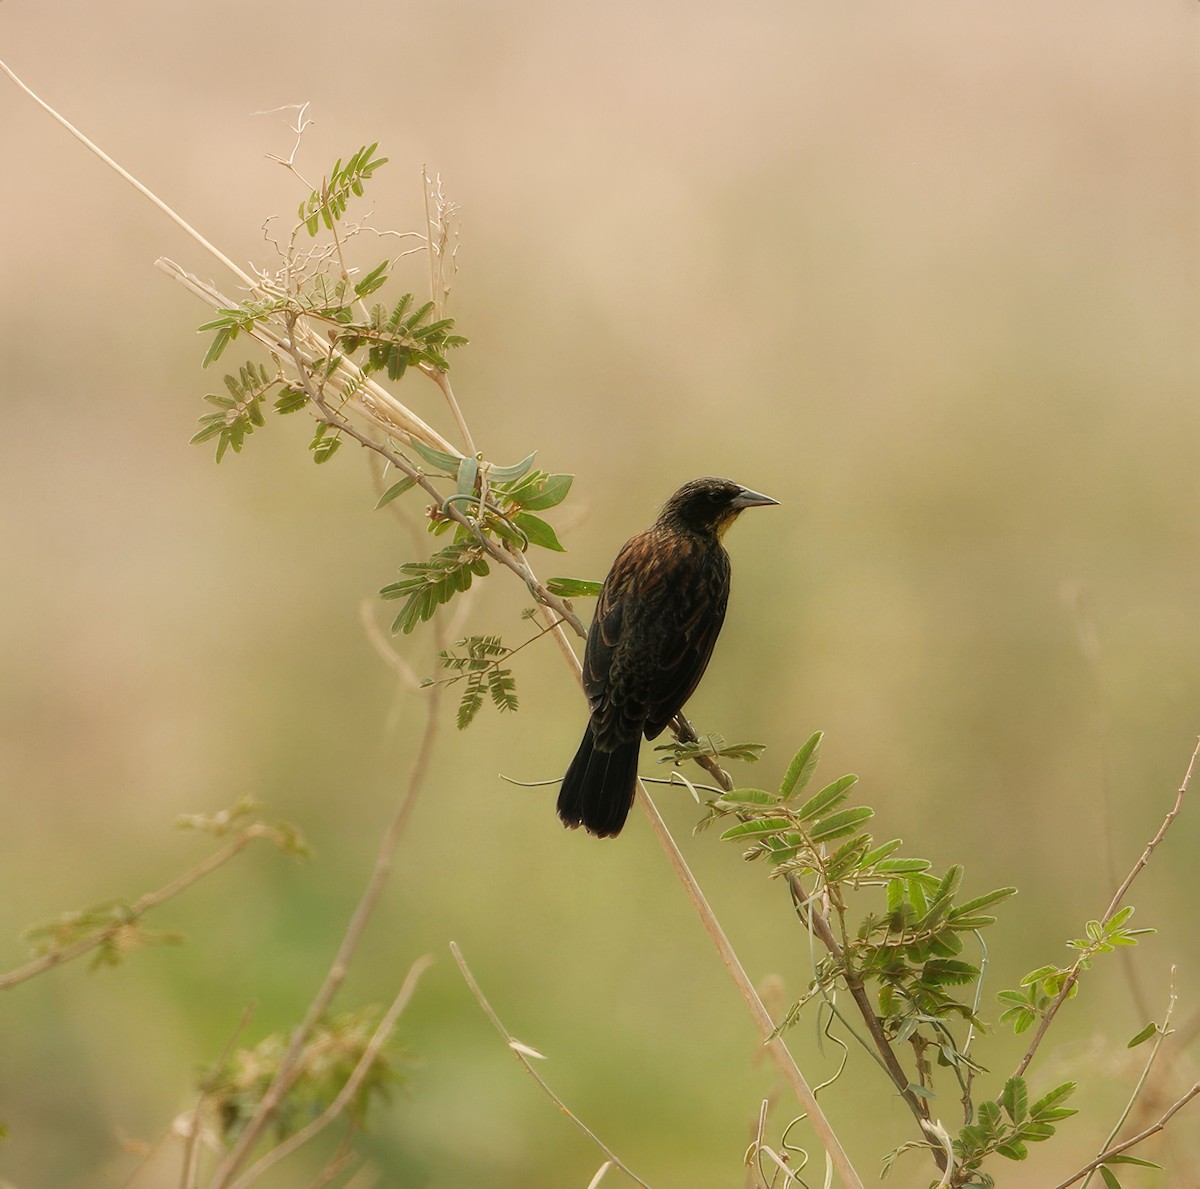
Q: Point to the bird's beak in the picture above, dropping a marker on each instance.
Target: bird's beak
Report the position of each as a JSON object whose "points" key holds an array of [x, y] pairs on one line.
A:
{"points": [[750, 499]]}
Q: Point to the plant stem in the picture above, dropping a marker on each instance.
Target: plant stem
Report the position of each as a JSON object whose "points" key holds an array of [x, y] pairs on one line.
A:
{"points": [[1114, 905], [522, 1054], [137, 909], [288, 1066], [1134, 1140]]}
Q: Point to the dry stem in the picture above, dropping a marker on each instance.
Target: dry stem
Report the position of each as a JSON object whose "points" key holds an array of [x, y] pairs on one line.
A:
{"points": [[522, 1053], [288, 1067], [1115, 904], [1133, 1140], [137, 909]]}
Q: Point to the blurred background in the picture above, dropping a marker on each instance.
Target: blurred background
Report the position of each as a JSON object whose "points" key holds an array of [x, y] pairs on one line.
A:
{"points": [[926, 273]]}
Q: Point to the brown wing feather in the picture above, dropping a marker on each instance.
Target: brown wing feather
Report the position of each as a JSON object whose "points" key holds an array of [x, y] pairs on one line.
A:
{"points": [[656, 622]]}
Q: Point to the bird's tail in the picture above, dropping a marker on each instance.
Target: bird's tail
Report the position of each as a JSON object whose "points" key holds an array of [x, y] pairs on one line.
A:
{"points": [[598, 788]]}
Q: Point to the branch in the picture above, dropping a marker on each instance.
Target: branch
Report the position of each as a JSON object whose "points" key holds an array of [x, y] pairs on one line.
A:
{"points": [[815, 920], [189, 1174], [522, 1053], [1133, 1141], [378, 1039], [147, 193], [1073, 977], [288, 1067], [137, 909], [775, 1045]]}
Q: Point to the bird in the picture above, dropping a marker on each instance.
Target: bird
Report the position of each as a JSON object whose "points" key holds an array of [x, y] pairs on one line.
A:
{"points": [[657, 618]]}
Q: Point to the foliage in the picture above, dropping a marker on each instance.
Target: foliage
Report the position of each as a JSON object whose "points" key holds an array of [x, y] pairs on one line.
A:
{"points": [[573, 588], [234, 1090], [240, 412], [114, 925], [712, 746], [907, 944], [112, 929], [480, 668], [1041, 987], [327, 205], [432, 583]]}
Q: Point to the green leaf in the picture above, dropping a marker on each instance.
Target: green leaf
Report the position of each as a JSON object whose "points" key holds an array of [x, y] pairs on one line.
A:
{"points": [[969, 923], [972, 906], [413, 319], [323, 448], [873, 857], [1109, 1178], [839, 824], [903, 866], [1123, 1158], [1143, 1036], [574, 588], [395, 490], [766, 825], [950, 884], [847, 857], [538, 531], [803, 765], [946, 971], [1015, 1100], [290, 400], [1013, 1149], [748, 797], [512, 473], [469, 704], [431, 583], [547, 493], [375, 279], [468, 473], [1116, 921], [831, 795], [437, 458], [224, 336], [502, 688]]}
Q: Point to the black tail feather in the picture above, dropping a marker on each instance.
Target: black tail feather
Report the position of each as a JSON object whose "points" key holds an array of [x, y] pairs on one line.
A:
{"points": [[599, 786]]}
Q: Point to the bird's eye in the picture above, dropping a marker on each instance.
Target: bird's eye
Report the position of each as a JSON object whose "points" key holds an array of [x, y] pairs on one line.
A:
{"points": [[716, 497]]}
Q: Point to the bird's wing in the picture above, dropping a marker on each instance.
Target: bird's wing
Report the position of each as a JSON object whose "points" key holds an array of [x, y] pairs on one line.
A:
{"points": [[605, 632], [657, 619], [692, 623]]}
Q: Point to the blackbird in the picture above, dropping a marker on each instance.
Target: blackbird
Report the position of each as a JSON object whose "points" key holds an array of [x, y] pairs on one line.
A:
{"points": [[658, 616]]}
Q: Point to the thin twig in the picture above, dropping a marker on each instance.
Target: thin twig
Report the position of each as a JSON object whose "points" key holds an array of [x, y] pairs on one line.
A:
{"points": [[521, 1051], [1134, 1140], [442, 379], [137, 909], [1088, 638], [815, 920], [286, 1073], [762, 1018], [1162, 1032], [370, 399], [147, 193], [1119, 896], [190, 1174], [378, 1039]]}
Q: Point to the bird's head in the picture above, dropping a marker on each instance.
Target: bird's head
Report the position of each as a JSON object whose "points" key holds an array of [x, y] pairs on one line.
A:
{"points": [[709, 505]]}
